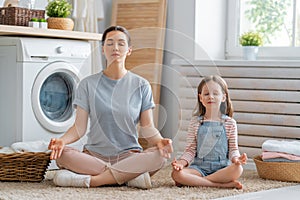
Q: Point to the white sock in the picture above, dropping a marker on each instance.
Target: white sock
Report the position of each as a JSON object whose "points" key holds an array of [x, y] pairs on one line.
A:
{"points": [[142, 181], [67, 178]]}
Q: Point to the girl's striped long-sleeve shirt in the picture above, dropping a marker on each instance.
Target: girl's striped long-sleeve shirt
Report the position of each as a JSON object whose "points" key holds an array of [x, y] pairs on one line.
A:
{"points": [[191, 145]]}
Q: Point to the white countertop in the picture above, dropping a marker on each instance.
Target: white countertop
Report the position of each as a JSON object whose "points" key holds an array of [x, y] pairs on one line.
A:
{"points": [[6, 30]]}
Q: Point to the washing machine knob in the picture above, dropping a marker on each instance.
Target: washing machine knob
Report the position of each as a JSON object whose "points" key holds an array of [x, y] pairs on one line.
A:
{"points": [[60, 49]]}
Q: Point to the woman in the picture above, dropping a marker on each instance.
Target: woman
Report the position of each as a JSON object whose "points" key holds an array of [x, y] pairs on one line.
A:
{"points": [[115, 100]]}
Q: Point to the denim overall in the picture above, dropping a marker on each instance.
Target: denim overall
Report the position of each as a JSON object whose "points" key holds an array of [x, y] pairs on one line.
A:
{"points": [[212, 147]]}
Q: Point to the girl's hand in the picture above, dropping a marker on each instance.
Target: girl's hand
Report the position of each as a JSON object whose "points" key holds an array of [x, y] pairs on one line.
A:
{"points": [[240, 160], [165, 147], [56, 145], [177, 165]]}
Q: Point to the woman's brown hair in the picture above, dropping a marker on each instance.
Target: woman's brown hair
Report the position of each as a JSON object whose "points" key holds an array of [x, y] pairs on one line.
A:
{"points": [[116, 28]]}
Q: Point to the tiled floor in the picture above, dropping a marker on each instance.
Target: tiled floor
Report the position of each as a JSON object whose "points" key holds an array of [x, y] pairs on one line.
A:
{"points": [[289, 193]]}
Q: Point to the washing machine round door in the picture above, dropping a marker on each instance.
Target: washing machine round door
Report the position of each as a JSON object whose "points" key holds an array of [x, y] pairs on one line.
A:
{"points": [[53, 94]]}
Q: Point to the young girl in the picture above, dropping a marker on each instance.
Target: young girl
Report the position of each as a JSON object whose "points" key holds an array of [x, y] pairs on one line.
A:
{"points": [[211, 141], [112, 154]]}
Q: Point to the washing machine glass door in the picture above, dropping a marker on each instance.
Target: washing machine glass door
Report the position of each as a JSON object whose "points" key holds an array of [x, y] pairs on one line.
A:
{"points": [[53, 94]]}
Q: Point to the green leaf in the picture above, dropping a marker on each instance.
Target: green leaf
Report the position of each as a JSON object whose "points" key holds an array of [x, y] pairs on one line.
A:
{"points": [[34, 20], [58, 8], [251, 39]]}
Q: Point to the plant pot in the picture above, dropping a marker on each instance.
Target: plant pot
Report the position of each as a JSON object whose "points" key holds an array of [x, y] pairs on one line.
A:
{"points": [[43, 25], [250, 52], [60, 23], [33, 24]]}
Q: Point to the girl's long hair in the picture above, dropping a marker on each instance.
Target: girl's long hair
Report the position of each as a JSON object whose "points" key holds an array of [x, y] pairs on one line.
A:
{"points": [[226, 107]]}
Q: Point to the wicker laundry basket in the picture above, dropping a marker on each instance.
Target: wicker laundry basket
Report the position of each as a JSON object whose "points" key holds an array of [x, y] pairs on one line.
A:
{"points": [[27, 166], [19, 16], [280, 171]]}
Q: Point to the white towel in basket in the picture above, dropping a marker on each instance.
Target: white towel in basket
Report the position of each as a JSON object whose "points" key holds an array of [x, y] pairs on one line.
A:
{"points": [[6, 150], [32, 146], [284, 146]]}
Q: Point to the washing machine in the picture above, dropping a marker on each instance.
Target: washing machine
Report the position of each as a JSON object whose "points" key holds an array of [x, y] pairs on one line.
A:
{"points": [[38, 77]]}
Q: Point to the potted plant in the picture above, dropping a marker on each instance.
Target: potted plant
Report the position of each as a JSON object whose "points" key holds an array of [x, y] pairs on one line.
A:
{"points": [[43, 23], [250, 42], [58, 12], [34, 22]]}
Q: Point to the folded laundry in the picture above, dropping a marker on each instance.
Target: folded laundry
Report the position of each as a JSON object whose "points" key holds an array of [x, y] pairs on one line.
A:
{"points": [[271, 154], [281, 160], [284, 146], [32, 146]]}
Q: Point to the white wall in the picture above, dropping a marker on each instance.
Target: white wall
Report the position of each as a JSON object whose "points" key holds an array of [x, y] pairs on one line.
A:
{"points": [[40, 4], [179, 44], [190, 36], [210, 29]]}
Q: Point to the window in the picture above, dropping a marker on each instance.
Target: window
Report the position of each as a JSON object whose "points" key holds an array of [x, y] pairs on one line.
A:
{"points": [[277, 20]]}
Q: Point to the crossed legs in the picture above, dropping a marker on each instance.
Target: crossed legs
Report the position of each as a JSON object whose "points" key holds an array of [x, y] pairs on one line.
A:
{"points": [[225, 178], [104, 173]]}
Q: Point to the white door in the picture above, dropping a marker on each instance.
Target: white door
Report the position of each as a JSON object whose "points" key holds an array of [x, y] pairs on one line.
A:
{"points": [[52, 96]]}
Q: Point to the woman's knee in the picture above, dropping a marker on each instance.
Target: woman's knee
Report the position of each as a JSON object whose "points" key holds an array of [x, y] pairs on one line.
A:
{"points": [[155, 158], [162, 160], [66, 155]]}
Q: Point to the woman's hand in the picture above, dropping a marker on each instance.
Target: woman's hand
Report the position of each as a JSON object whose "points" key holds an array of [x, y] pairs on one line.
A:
{"points": [[240, 160], [56, 145], [178, 164], [165, 147]]}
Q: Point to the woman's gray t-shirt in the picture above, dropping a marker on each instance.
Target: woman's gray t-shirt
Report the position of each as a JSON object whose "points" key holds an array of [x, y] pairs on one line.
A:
{"points": [[114, 108]]}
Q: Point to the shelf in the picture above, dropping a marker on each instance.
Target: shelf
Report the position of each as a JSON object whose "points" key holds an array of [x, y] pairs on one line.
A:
{"points": [[6, 30]]}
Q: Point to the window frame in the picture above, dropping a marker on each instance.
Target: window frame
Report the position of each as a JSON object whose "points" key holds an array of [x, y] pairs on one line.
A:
{"points": [[234, 51]]}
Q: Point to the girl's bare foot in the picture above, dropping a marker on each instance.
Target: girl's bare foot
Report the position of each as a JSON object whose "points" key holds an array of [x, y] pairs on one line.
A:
{"points": [[178, 184], [232, 184]]}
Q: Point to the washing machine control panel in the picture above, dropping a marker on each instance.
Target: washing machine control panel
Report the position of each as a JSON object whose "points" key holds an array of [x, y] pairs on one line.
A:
{"points": [[60, 49], [79, 51], [55, 48]]}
